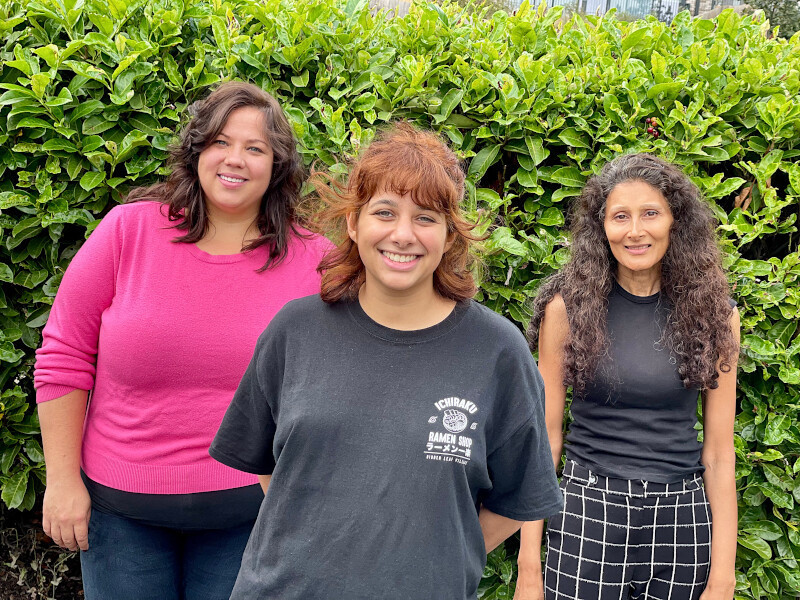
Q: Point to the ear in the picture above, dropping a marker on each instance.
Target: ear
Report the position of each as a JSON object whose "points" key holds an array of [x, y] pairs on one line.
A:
{"points": [[352, 226], [451, 239]]}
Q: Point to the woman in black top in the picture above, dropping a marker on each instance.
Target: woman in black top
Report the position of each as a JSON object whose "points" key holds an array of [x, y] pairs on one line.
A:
{"points": [[637, 323]]}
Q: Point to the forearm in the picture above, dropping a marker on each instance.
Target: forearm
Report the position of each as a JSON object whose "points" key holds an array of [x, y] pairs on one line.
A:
{"points": [[496, 528], [66, 507], [720, 485], [62, 432], [530, 547]]}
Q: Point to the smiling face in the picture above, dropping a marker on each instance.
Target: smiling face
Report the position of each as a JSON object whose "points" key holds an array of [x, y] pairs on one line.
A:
{"points": [[400, 244], [637, 225], [236, 167]]}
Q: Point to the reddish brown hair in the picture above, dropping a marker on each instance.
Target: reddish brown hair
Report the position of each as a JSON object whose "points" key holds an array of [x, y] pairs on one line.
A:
{"points": [[403, 160]]}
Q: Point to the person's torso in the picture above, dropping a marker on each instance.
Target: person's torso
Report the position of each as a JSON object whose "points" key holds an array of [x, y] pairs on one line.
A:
{"points": [[636, 420], [172, 348], [381, 455]]}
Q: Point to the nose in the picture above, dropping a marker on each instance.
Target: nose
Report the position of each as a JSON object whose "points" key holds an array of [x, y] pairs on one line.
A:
{"points": [[403, 232], [234, 156], [635, 228]]}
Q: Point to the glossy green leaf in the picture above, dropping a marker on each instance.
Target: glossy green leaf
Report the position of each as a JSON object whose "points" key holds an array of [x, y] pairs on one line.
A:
{"points": [[14, 489], [92, 179], [569, 176], [483, 160]]}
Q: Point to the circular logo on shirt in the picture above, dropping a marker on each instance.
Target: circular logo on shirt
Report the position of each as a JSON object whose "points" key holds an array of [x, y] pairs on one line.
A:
{"points": [[454, 420]]}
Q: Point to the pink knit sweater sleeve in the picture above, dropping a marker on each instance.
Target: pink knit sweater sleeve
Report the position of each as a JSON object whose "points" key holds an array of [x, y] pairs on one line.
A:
{"points": [[66, 359]]}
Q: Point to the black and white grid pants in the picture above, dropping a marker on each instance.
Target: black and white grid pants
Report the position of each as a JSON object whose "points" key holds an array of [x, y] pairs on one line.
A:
{"points": [[619, 539]]}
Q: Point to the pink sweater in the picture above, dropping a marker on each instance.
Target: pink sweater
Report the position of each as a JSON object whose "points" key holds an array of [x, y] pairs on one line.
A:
{"points": [[162, 333]]}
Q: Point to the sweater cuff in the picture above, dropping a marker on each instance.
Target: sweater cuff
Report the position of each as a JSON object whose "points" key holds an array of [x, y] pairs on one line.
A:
{"points": [[51, 391]]}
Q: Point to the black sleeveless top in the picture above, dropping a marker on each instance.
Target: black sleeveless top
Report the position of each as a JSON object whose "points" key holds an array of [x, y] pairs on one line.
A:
{"points": [[636, 420]]}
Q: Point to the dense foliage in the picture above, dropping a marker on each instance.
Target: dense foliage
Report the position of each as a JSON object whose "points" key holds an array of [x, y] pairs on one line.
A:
{"points": [[785, 14], [92, 91]]}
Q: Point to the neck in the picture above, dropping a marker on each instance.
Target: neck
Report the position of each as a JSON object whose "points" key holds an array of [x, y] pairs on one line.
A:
{"points": [[404, 312], [640, 283], [228, 234]]}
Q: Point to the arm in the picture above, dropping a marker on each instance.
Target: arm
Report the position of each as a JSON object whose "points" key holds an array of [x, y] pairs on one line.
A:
{"points": [[553, 336], [65, 369], [66, 508], [719, 460], [264, 481], [495, 528]]}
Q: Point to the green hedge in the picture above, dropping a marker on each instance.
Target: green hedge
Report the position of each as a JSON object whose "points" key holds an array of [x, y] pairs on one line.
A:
{"points": [[92, 91]]}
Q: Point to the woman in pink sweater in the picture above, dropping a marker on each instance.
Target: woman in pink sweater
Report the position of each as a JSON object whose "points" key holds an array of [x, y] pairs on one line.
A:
{"points": [[157, 316]]}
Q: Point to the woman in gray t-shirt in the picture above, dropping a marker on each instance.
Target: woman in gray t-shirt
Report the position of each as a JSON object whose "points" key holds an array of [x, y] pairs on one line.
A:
{"points": [[638, 323], [398, 425]]}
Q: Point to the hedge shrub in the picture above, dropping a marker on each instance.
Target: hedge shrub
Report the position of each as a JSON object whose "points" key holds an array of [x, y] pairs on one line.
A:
{"points": [[92, 91]]}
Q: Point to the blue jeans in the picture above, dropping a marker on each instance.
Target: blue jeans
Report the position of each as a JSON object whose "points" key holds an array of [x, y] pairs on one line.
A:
{"points": [[128, 560]]}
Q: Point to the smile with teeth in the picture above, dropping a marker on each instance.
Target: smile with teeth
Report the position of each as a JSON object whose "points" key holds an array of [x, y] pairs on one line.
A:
{"points": [[400, 258], [231, 179]]}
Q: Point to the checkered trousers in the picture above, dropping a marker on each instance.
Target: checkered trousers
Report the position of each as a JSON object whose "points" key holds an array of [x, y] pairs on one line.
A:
{"points": [[619, 539]]}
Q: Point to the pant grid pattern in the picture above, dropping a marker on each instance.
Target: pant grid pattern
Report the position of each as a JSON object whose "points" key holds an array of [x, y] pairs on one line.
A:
{"points": [[620, 539]]}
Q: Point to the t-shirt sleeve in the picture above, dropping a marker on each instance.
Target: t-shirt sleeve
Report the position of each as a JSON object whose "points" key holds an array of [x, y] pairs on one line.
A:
{"points": [[66, 359], [524, 484], [244, 439]]}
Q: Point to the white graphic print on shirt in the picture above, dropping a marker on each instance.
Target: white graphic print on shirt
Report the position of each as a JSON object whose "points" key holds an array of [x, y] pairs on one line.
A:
{"points": [[448, 445]]}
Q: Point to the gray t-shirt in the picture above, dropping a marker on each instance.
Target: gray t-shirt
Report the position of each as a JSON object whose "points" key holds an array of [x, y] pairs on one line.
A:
{"points": [[382, 445]]}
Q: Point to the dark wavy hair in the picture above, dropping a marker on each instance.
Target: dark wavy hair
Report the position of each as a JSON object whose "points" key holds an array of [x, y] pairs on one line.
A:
{"points": [[697, 332], [182, 192], [403, 160]]}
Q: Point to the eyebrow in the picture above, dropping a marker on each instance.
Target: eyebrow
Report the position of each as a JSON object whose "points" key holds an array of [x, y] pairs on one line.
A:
{"points": [[385, 201], [250, 141], [626, 207]]}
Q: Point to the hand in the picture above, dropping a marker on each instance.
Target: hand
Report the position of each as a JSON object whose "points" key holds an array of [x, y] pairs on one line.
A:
{"points": [[65, 514], [530, 585], [719, 590]]}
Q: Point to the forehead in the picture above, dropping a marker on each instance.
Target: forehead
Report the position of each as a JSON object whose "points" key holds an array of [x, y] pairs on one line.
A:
{"points": [[635, 194], [247, 120]]}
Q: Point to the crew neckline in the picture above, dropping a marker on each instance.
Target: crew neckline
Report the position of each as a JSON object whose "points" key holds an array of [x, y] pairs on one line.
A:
{"points": [[220, 258], [416, 336], [633, 297]]}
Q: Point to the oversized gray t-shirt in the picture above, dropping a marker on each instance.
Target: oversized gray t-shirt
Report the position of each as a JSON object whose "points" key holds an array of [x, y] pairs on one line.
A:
{"points": [[382, 445]]}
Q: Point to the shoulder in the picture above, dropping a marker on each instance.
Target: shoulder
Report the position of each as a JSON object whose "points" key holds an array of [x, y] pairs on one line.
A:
{"points": [[305, 244], [556, 309], [735, 320], [138, 213], [491, 329], [304, 306], [298, 320], [310, 240], [129, 220], [556, 318], [298, 312]]}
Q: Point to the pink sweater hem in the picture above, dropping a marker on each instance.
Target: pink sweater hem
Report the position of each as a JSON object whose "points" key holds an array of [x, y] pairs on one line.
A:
{"points": [[208, 476]]}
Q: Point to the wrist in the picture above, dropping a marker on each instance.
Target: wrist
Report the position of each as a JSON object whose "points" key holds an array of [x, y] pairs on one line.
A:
{"points": [[717, 581], [529, 566], [64, 477]]}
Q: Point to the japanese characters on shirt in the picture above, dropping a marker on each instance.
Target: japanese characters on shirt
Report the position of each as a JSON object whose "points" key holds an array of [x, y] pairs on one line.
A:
{"points": [[449, 439]]}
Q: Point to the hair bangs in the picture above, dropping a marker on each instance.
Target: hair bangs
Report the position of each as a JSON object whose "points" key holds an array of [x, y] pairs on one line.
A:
{"points": [[407, 169]]}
